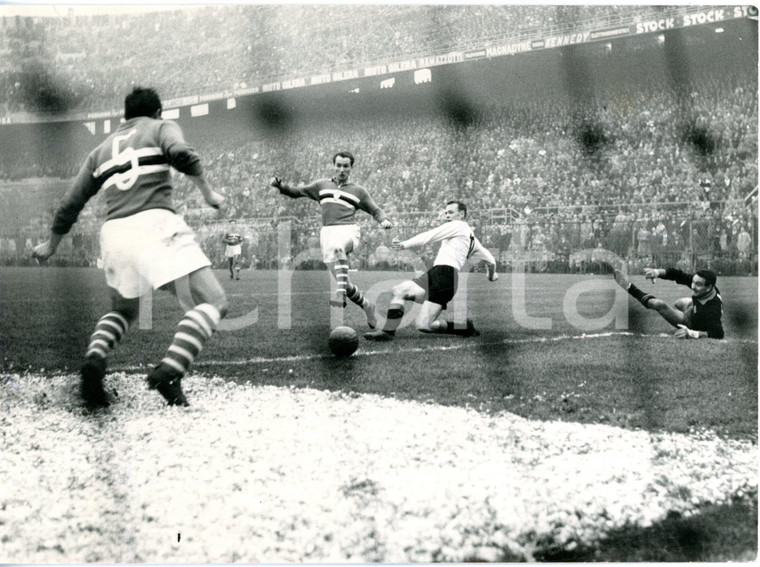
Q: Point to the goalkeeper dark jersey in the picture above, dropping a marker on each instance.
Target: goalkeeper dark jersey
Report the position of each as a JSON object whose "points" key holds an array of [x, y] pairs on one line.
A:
{"points": [[704, 316]]}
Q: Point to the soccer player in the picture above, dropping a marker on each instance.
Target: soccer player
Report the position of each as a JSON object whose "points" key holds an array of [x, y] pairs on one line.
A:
{"points": [[695, 317], [232, 251], [143, 242], [435, 288], [339, 199]]}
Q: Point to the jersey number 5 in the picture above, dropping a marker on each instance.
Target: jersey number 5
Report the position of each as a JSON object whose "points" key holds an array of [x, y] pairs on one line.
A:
{"points": [[125, 181]]}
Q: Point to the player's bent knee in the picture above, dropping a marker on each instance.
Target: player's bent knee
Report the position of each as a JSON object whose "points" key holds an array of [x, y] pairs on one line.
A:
{"points": [[656, 304]]}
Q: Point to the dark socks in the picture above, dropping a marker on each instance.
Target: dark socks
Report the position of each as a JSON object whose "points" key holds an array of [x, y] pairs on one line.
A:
{"points": [[393, 319], [639, 295]]}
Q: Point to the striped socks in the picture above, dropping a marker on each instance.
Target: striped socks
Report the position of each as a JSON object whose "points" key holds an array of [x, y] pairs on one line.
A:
{"points": [[192, 332], [341, 277], [108, 333], [355, 295]]}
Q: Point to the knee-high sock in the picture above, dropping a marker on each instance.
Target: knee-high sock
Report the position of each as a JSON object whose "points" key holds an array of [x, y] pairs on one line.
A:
{"points": [[193, 331], [355, 295], [639, 295], [393, 317], [108, 333], [341, 276]]}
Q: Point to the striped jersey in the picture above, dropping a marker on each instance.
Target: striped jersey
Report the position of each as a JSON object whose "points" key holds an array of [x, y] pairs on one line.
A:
{"points": [[233, 239], [338, 202], [458, 244], [132, 167]]}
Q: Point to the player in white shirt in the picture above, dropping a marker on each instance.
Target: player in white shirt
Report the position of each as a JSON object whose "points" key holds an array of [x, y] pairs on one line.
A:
{"points": [[435, 288]]}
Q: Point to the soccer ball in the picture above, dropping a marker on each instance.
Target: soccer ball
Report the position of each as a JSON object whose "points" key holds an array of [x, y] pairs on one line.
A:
{"points": [[343, 341]]}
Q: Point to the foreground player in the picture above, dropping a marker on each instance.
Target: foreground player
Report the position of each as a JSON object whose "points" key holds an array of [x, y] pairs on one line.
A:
{"points": [[695, 317], [339, 238], [437, 286], [143, 242], [233, 249]]}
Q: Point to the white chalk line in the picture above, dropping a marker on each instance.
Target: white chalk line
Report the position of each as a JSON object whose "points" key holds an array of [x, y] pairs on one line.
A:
{"points": [[439, 348]]}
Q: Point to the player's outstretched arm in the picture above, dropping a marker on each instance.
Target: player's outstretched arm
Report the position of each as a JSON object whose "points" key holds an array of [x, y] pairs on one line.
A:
{"points": [[653, 273], [480, 252], [212, 198], [293, 192], [446, 230], [386, 224], [46, 249]]}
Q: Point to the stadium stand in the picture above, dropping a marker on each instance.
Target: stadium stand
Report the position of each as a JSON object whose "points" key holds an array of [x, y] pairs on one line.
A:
{"points": [[67, 63], [652, 169]]}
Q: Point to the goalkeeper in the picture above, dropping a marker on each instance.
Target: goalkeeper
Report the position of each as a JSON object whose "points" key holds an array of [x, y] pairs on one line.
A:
{"points": [[695, 317]]}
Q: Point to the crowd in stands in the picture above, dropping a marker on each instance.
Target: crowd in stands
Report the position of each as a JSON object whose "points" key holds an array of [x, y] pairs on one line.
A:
{"points": [[525, 153], [71, 63], [533, 189], [636, 164]]}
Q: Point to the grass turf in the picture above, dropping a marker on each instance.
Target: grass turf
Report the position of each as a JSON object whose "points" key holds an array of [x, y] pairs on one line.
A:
{"points": [[633, 378]]}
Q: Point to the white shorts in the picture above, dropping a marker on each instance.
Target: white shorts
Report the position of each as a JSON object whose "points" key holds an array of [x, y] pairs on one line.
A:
{"points": [[147, 250], [338, 241], [233, 250]]}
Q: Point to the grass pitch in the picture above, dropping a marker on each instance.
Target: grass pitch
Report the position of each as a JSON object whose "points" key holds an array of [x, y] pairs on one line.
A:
{"points": [[636, 378]]}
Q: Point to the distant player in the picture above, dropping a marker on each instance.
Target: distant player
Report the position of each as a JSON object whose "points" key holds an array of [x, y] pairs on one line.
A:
{"points": [[695, 317], [339, 199], [233, 249], [435, 288], [143, 242]]}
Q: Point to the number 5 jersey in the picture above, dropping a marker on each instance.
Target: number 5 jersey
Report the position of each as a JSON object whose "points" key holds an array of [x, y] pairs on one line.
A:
{"points": [[132, 166]]}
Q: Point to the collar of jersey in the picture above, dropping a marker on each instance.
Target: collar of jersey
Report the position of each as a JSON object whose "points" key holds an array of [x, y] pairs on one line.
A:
{"points": [[337, 184]]}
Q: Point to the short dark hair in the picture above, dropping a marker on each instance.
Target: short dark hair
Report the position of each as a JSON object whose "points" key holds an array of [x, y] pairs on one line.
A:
{"points": [[708, 275], [141, 102], [348, 155], [460, 206]]}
